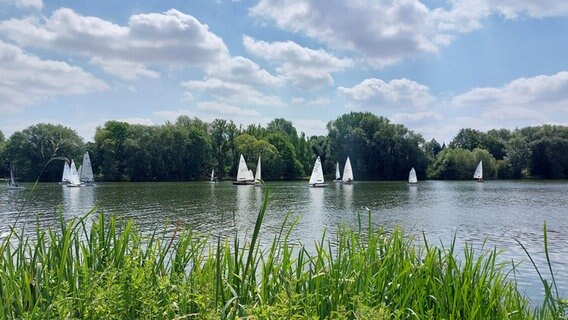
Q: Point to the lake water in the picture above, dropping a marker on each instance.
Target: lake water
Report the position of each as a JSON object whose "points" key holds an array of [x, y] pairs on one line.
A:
{"points": [[497, 212]]}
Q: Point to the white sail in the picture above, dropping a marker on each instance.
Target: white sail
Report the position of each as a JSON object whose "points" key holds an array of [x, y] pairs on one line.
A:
{"points": [[337, 173], [86, 172], [317, 173], [412, 176], [12, 180], [79, 171], [243, 172], [12, 185], [257, 174], [65, 176], [74, 179], [347, 172], [478, 174], [212, 174]]}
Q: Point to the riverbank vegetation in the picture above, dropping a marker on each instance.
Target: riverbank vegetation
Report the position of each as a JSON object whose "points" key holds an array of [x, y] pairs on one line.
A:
{"points": [[379, 150], [101, 267]]}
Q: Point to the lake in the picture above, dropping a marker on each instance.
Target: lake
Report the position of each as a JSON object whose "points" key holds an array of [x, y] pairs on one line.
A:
{"points": [[497, 212]]}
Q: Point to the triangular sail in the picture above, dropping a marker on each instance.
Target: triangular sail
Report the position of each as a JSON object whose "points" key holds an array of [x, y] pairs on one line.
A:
{"points": [[212, 174], [65, 176], [412, 176], [243, 172], [478, 174], [250, 176], [12, 181], [317, 173], [337, 173], [347, 171], [80, 171], [86, 172], [257, 175], [73, 174]]}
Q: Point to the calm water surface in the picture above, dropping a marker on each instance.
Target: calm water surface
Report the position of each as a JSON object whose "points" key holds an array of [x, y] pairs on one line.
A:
{"points": [[497, 212]]}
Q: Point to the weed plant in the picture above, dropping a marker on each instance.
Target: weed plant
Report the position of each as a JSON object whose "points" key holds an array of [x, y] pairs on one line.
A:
{"points": [[101, 267]]}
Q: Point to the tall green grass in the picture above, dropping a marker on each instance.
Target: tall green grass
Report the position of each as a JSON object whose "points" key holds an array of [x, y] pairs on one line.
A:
{"points": [[99, 267]]}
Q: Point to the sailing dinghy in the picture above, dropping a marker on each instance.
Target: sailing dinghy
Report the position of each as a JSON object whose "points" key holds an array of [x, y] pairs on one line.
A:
{"points": [[478, 174], [316, 179], [347, 172], [412, 177], [244, 175]]}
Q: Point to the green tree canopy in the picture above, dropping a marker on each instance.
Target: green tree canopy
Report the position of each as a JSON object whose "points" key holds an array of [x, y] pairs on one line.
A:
{"points": [[34, 148]]}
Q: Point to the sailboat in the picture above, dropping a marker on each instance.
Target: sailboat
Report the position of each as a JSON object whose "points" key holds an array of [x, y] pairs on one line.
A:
{"points": [[347, 172], [412, 176], [65, 175], [337, 174], [316, 179], [244, 175], [12, 184], [257, 179], [478, 174], [213, 177], [86, 171], [74, 179]]}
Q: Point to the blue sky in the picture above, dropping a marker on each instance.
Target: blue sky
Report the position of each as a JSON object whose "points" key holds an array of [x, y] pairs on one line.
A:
{"points": [[435, 66]]}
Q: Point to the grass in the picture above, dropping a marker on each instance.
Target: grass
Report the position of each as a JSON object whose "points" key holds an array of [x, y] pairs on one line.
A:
{"points": [[99, 267]]}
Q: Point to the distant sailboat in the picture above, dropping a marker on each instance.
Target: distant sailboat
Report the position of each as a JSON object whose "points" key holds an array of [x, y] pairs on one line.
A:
{"points": [[347, 172], [478, 174], [244, 175], [74, 179], [316, 179], [412, 177], [213, 177], [337, 173], [65, 175], [12, 184], [86, 171], [257, 179]]}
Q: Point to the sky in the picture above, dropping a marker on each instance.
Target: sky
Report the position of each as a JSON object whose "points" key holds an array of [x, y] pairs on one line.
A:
{"points": [[435, 66]]}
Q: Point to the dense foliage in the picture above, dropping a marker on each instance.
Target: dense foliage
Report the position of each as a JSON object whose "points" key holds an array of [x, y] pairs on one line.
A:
{"points": [[379, 150]]}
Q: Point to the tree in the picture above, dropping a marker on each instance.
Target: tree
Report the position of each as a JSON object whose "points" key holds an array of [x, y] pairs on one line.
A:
{"points": [[377, 148], [33, 149], [459, 164]]}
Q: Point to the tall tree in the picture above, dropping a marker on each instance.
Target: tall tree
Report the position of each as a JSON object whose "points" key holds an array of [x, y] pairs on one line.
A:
{"points": [[34, 148]]}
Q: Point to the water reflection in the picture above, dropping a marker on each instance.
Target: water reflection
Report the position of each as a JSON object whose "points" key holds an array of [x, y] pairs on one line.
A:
{"points": [[497, 212], [77, 201]]}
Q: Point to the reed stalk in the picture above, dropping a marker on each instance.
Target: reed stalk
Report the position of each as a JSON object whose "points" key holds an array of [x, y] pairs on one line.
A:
{"points": [[101, 267]]}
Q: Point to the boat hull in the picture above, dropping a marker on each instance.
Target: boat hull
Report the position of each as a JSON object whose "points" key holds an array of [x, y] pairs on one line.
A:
{"points": [[317, 185], [243, 183]]}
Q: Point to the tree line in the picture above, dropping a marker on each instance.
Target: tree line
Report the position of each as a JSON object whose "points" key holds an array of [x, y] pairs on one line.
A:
{"points": [[189, 148]]}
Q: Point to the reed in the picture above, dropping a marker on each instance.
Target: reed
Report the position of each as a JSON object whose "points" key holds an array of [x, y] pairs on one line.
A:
{"points": [[102, 267]]}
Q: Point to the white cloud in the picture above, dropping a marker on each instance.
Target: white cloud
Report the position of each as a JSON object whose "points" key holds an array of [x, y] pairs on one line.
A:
{"points": [[233, 92], [311, 127], [25, 4], [171, 37], [126, 70], [381, 31], [538, 92], [226, 109], [172, 116], [512, 9], [243, 70], [26, 79], [396, 94], [424, 116], [303, 67], [384, 31], [320, 101]]}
